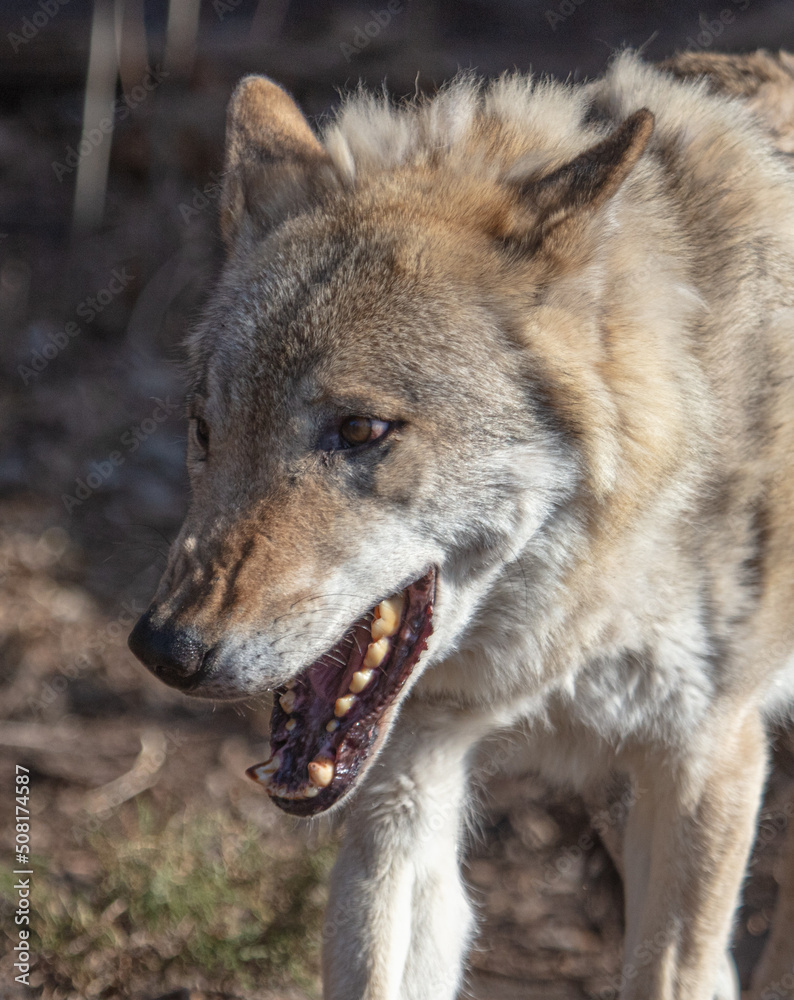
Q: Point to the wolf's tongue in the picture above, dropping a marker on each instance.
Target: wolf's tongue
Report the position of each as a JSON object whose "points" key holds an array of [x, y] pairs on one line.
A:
{"points": [[326, 719], [327, 674]]}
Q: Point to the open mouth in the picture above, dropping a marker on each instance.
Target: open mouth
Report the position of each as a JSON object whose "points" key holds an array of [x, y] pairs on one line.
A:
{"points": [[327, 719]]}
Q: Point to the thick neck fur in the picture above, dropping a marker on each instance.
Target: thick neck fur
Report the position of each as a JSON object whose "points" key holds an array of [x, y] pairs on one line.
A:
{"points": [[673, 462]]}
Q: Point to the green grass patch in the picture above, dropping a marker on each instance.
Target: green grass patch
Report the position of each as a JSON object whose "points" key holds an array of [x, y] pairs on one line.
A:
{"points": [[196, 895]]}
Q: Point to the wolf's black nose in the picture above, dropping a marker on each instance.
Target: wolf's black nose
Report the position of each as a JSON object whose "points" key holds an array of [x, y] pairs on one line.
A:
{"points": [[176, 655]]}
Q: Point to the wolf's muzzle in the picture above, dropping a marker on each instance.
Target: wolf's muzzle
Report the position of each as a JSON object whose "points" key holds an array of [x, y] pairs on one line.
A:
{"points": [[176, 655]]}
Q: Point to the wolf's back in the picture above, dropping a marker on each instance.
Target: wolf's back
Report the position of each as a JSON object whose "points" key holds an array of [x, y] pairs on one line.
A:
{"points": [[764, 79]]}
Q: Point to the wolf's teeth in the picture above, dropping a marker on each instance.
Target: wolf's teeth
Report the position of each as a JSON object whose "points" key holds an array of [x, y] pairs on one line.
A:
{"points": [[287, 701], [321, 773], [290, 685], [387, 617], [376, 652], [291, 723], [359, 680], [343, 705], [332, 726], [379, 629], [305, 791], [263, 773], [294, 794]]}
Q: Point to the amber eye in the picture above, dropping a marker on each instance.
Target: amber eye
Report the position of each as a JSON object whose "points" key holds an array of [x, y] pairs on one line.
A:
{"points": [[361, 430], [202, 432]]}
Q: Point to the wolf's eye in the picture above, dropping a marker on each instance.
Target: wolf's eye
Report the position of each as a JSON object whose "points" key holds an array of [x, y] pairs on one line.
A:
{"points": [[361, 430], [202, 433]]}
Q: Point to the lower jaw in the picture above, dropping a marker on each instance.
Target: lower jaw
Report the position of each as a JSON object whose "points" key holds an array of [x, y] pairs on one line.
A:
{"points": [[321, 800], [309, 774]]}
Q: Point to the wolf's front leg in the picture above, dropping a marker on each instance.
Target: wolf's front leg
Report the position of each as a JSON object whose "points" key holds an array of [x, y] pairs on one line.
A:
{"points": [[687, 843], [398, 921]]}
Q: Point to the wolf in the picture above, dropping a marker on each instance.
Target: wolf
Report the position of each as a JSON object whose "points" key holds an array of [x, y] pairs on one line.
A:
{"points": [[492, 437]]}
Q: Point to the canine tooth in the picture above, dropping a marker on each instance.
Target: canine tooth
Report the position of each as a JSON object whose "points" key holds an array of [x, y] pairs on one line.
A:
{"points": [[291, 723], [387, 619], [290, 684], [310, 792], [263, 773], [332, 726], [376, 652], [359, 680], [321, 773], [343, 705], [287, 701], [271, 765]]}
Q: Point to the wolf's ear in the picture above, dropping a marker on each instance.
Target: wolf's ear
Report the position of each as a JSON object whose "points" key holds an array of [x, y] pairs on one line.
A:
{"points": [[273, 159], [543, 205]]}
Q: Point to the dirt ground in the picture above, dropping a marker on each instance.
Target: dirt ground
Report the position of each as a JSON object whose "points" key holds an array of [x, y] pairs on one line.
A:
{"points": [[159, 870]]}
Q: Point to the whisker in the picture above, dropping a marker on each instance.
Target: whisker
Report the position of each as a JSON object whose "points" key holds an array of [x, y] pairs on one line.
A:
{"points": [[330, 607]]}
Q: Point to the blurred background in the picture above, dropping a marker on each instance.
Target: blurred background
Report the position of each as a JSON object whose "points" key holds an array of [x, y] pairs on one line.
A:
{"points": [[159, 870]]}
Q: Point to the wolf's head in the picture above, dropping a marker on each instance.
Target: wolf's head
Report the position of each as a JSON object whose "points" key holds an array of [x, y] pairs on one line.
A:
{"points": [[373, 438]]}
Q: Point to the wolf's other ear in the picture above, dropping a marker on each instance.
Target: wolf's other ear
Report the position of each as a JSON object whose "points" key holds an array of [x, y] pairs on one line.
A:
{"points": [[273, 159], [543, 204]]}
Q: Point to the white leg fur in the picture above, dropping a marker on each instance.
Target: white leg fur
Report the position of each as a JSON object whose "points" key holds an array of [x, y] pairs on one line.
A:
{"points": [[398, 921]]}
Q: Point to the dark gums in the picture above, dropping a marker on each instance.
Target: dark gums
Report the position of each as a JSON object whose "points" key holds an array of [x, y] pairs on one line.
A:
{"points": [[317, 688]]}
